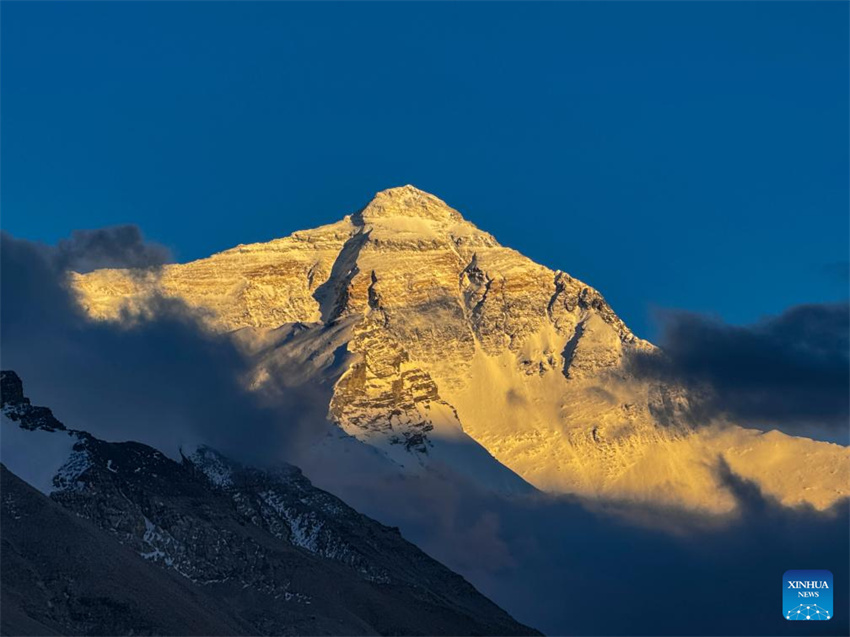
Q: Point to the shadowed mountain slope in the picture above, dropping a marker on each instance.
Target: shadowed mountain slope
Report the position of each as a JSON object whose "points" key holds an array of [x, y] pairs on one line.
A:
{"points": [[123, 539]]}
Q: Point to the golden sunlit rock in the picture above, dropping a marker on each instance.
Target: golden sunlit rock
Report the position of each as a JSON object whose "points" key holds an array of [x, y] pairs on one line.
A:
{"points": [[452, 335]]}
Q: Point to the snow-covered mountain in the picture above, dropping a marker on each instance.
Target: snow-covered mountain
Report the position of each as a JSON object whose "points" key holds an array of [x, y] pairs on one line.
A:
{"points": [[122, 539], [448, 351]]}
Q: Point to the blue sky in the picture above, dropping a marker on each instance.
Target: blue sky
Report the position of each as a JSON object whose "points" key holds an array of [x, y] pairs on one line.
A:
{"points": [[689, 155]]}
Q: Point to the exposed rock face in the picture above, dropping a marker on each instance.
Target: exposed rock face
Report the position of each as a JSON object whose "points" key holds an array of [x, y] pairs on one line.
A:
{"points": [[62, 575], [17, 406], [452, 336], [246, 551]]}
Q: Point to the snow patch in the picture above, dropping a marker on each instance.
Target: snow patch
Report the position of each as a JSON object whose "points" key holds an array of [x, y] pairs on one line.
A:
{"points": [[68, 476], [35, 456], [214, 467], [154, 538], [305, 529]]}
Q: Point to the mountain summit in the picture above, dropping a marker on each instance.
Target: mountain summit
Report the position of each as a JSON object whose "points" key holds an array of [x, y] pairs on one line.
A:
{"points": [[409, 201], [464, 355]]}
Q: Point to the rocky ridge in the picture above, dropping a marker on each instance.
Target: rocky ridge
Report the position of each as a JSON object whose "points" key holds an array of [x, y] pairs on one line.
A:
{"points": [[269, 551]]}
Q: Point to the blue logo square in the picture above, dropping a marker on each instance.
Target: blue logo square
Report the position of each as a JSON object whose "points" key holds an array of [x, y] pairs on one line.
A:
{"points": [[807, 595]]}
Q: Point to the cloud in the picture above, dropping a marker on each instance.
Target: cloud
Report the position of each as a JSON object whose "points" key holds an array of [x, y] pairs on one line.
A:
{"points": [[790, 371], [113, 247], [165, 381], [566, 566]]}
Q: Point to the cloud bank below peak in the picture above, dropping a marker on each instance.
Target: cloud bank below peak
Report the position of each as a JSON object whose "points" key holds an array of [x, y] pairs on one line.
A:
{"points": [[790, 371], [165, 381]]}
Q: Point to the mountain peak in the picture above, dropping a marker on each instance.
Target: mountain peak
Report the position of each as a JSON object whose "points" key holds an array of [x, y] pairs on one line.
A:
{"points": [[428, 341], [408, 201]]}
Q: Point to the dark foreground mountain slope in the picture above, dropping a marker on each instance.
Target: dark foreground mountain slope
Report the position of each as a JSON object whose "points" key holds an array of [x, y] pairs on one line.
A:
{"points": [[62, 574], [235, 550]]}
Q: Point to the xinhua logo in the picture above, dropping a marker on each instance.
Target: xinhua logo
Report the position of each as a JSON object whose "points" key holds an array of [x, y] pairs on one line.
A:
{"points": [[807, 595]]}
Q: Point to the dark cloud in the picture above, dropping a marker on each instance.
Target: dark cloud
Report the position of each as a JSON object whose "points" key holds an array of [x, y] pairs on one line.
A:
{"points": [[163, 381], [566, 566], [114, 247], [790, 371]]}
